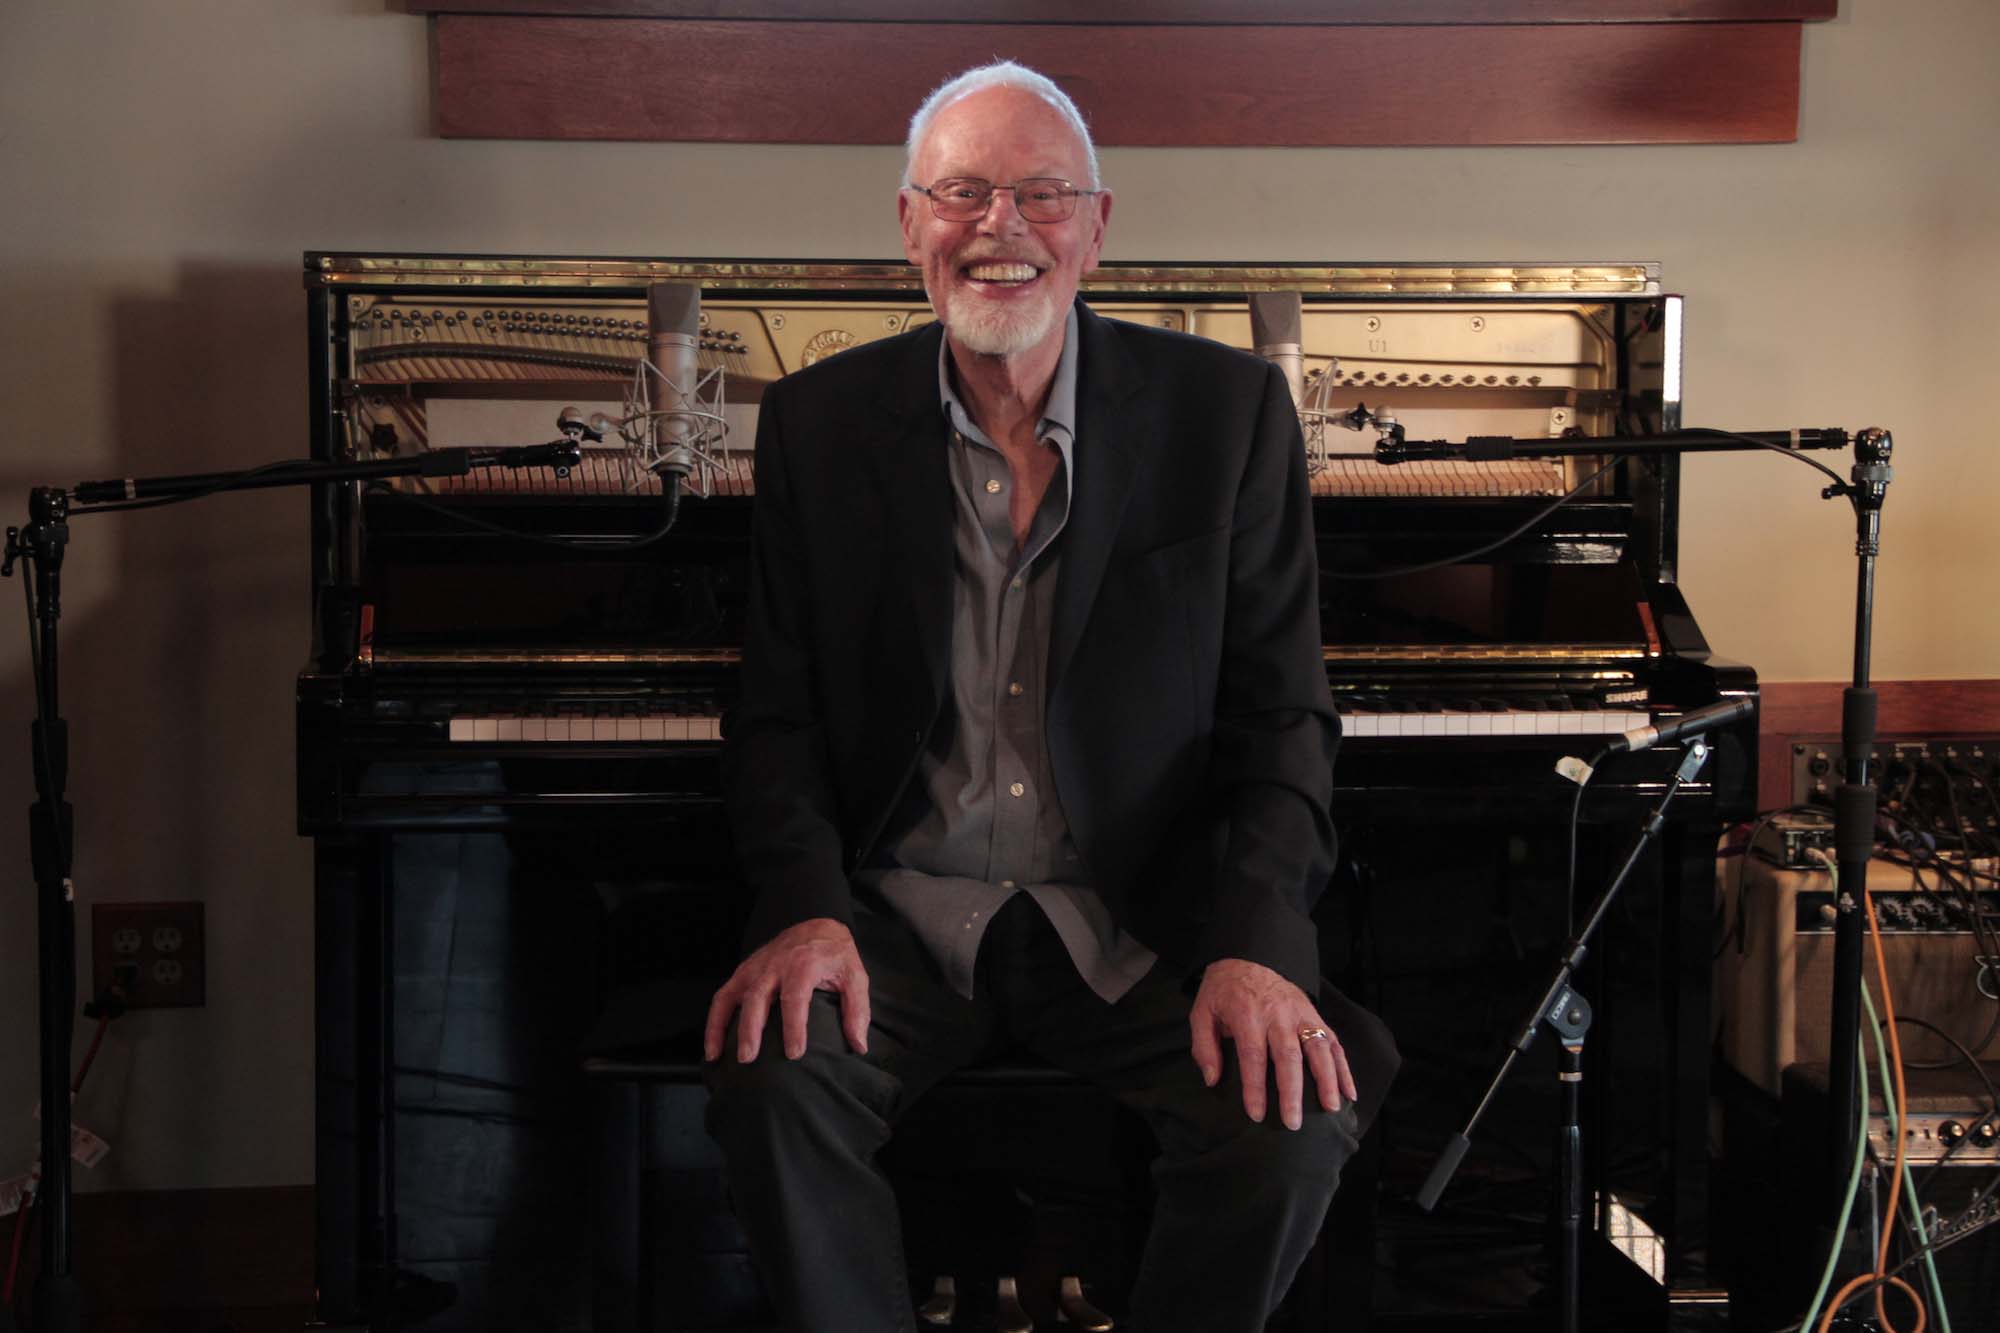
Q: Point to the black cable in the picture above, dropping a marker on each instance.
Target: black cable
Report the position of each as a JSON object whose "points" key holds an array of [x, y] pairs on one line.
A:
{"points": [[1493, 545], [1916, 1256], [1985, 939], [671, 491], [1781, 450], [1576, 818], [1934, 1248], [34, 632], [470, 1081], [1610, 462]]}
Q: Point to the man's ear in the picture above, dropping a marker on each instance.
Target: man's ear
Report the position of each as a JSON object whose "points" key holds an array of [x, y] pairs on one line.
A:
{"points": [[908, 218], [1100, 223]]}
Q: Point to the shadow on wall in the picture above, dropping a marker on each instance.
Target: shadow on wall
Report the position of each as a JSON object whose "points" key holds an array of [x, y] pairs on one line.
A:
{"points": [[182, 629]]}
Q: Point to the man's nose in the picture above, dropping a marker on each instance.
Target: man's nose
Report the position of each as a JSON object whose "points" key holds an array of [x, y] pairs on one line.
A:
{"points": [[1003, 214]]}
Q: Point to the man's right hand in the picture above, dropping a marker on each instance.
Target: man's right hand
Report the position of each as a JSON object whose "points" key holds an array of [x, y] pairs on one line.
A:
{"points": [[813, 955]]}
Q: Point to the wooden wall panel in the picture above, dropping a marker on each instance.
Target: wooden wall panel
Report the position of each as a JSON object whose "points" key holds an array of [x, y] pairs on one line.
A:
{"points": [[1314, 12], [166, 1260], [857, 83], [1907, 710]]}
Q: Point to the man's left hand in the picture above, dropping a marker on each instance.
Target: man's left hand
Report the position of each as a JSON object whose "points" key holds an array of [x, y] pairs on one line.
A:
{"points": [[1264, 1014]]}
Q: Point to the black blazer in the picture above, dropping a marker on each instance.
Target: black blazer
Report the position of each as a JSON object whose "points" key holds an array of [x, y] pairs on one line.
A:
{"points": [[1190, 728], [1189, 721]]}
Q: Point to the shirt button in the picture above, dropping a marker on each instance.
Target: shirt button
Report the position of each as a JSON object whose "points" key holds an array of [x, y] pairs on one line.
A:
{"points": [[1015, 585], [1017, 789], [993, 488], [1005, 884], [1014, 688]]}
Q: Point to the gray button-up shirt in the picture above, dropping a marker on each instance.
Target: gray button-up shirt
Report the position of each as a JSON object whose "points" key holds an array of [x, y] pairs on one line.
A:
{"points": [[992, 825]]}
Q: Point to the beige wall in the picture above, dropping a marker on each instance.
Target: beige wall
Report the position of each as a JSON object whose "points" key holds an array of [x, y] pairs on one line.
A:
{"points": [[163, 166]]}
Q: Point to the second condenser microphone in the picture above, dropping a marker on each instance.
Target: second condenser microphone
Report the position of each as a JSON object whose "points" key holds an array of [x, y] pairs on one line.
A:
{"points": [[1699, 722], [1276, 320], [673, 334]]}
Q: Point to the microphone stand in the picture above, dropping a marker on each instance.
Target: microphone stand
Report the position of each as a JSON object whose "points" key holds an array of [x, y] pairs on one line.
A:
{"points": [[1854, 801], [43, 543], [1567, 1014]]}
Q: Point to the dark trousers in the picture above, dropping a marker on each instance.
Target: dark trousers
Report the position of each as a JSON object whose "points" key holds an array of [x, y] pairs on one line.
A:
{"points": [[1238, 1202]]}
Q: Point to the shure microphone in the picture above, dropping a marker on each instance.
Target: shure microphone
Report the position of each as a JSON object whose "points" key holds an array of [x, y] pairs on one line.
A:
{"points": [[1275, 332], [1699, 722], [673, 330]]}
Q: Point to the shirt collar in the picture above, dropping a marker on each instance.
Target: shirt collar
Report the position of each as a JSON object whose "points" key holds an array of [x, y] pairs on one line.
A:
{"points": [[1058, 421]]}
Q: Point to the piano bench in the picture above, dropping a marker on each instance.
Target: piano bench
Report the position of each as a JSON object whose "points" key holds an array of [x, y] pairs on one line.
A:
{"points": [[1016, 1069], [665, 1238]]}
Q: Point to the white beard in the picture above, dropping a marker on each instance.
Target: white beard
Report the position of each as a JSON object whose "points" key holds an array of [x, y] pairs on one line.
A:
{"points": [[991, 329]]}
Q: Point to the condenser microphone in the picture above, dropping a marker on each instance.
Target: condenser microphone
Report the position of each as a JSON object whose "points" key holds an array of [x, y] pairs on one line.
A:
{"points": [[1275, 320], [1697, 723], [673, 332]]}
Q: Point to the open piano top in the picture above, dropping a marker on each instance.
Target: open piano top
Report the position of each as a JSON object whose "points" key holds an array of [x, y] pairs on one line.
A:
{"points": [[595, 677]]}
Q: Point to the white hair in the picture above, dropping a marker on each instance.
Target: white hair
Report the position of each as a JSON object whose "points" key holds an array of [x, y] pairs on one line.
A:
{"points": [[999, 74]]}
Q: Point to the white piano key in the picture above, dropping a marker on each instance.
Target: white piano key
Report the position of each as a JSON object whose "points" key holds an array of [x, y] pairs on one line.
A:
{"points": [[602, 729], [630, 729], [461, 729], [708, 729], [1457, 724], [1479, 724], [653, 728], [506, 728], [676, 728], [485, 728], [534, 729]]}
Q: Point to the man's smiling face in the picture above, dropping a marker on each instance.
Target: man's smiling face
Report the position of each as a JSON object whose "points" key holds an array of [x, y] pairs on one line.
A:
{"points": [[1001, 285]]}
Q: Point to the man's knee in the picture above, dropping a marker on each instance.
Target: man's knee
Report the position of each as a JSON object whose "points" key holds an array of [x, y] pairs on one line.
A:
{"points": [[775, 1093], [1264, 1156]]}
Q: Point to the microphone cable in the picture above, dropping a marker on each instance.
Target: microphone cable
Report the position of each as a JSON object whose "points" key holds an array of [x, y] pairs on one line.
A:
{"points": [[1565, 498], [670, 491]]}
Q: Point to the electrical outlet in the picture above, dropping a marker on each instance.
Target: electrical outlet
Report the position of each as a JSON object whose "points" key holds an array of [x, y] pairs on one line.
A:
{"points": [[153, 951]]}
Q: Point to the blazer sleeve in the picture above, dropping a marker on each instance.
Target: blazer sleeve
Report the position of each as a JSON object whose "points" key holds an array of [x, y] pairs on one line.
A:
{"points": [[777, 782], [1276, 733]]}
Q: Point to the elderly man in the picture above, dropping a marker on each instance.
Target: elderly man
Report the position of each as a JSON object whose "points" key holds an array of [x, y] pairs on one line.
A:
{"points": [[1034, 748]]}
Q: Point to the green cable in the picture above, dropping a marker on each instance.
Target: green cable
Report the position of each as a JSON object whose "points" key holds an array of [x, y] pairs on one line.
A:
{"points": [[1909, 1183], [1853, 1187]]}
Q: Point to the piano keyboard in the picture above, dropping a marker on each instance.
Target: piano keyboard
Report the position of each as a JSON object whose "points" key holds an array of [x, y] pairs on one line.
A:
{"points": [[1358, 722], [632, 726]]}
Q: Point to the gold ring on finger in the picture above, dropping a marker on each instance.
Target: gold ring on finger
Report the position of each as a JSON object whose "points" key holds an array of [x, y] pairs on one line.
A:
{"points": [[1314, 1034]]}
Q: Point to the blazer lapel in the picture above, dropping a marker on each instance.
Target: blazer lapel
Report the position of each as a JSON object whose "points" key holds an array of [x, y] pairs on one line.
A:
{"points": [[1107, 453], [914, 480]]}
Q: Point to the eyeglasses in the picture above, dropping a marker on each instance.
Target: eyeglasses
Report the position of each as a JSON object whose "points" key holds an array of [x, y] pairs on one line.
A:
{"points": [[1038, 199]]}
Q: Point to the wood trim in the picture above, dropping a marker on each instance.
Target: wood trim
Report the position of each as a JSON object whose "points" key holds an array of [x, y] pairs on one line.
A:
{"points": [[1905, 710], [1321, 13], [845, 83], [144, 1254]]}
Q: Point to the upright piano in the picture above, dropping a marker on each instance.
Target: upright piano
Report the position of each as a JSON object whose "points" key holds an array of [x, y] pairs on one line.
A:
{"points": [[522, 656]]}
